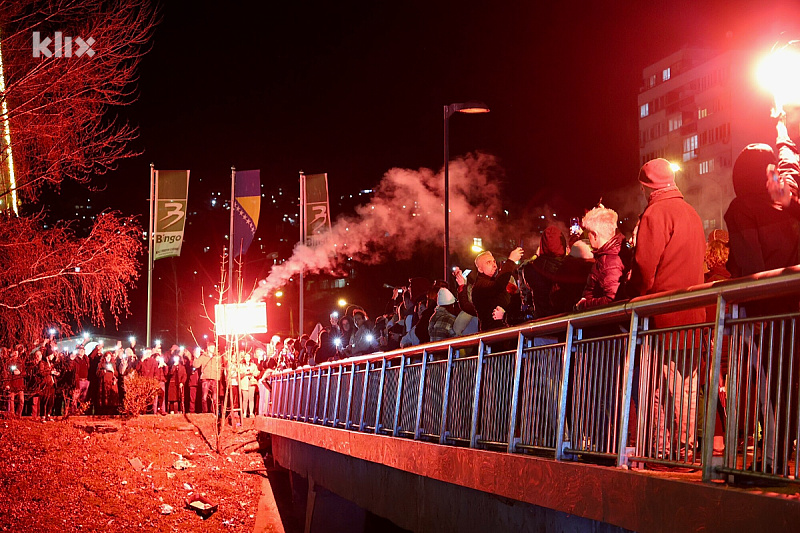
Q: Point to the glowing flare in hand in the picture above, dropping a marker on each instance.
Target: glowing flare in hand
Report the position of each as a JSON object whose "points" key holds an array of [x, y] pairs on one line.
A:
{"points": [[779, 72]]}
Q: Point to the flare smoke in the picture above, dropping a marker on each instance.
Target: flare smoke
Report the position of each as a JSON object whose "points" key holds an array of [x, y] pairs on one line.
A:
{"points": [[407, 209]]}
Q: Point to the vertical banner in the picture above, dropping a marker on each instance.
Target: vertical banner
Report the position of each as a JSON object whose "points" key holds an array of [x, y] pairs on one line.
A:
{"points": [[246, 208], [317, 219], [171, 193]]}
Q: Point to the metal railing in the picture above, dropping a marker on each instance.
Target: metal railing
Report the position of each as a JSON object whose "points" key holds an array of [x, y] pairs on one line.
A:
{"points": [[598, 386]]}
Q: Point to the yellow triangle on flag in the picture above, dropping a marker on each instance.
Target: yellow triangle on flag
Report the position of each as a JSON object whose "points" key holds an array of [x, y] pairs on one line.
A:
{"points": [[251, 206]]}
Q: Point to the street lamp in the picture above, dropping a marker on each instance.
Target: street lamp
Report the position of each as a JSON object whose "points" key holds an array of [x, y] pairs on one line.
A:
{"points": [[449, 110]]}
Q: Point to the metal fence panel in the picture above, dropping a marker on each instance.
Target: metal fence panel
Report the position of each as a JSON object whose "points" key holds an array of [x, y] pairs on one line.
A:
{"points": [[597, 370], [763, 398], [408, 403], [671, 361], [388, 401], [460, 399], [495, 397], [540, 385], [431, 423]]}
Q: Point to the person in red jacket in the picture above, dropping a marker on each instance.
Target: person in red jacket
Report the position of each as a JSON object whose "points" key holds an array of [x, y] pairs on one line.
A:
{"points": [[15, 384], [607, 273], [669, 256]]}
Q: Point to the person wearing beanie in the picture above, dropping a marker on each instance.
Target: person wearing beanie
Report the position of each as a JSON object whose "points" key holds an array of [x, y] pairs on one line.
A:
{"points": [[441, 323], [540, 274], [489, 292], [669, 255]]}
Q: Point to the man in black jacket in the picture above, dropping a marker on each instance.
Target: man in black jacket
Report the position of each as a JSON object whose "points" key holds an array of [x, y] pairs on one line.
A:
{"points": [[489, 292]]}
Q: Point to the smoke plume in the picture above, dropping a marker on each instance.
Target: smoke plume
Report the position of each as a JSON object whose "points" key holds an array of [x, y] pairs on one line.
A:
{"points": [[407, 209]]}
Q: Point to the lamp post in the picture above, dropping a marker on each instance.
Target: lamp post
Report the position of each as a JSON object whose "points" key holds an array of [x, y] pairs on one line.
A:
{"points": [[449, 110]]}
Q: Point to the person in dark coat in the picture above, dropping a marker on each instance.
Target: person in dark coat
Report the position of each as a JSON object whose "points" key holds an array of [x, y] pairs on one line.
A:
{"points": [[609, 268], [540, 274], [80, 372], [176, 379], [192, 379], [489, 292], [107, 391], [669, 256], [763, 236]]}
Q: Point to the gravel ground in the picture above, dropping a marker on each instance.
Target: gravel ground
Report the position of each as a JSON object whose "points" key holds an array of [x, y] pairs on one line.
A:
{"points": [[82, 474]]}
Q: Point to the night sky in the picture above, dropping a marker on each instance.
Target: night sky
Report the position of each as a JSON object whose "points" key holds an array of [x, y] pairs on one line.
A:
{"points": [[354, 89]]}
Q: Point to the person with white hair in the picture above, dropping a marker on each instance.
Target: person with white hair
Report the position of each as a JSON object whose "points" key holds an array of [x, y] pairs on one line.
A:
{"points": [[608, 271]]}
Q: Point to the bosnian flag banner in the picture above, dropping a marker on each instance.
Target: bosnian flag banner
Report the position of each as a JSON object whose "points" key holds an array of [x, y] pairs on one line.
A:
{"points": [[246, 208]]}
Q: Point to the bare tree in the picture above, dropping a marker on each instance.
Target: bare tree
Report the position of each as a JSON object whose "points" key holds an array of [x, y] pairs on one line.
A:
{"points": [[60, 109], [53, 279]]}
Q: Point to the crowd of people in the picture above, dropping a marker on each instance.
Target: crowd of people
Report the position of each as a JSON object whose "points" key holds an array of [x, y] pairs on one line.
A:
{"points": [[45, 381], [594, 266]]}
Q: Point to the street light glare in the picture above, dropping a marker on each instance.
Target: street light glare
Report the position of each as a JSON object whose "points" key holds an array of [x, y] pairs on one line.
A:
{"points": [[675, 167], [342, 302], [477, 249], [278, 294]]}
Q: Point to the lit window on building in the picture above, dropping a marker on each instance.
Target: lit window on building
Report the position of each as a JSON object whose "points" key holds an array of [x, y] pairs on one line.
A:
{"points": [[665, 74], [702, 113], [644, 110], [689, 148], [675, 123], [706, 167], [477, 241]]}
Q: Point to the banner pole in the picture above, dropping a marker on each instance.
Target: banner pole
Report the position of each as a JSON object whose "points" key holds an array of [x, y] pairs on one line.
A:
{"points": [[302, 241], [150, 256], [231, 241]]}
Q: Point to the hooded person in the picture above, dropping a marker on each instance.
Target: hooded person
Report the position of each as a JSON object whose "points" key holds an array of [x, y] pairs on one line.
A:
{"points": [[762, 235], [540, 274], [441, 325]]}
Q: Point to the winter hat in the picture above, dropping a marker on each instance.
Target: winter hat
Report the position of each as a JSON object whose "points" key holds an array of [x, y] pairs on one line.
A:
{"points": [[657, 174], [553, 242], [749, 171], [445, 297]]}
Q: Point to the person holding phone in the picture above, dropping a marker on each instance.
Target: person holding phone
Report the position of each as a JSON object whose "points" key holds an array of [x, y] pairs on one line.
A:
{"points": [[489, 292]]}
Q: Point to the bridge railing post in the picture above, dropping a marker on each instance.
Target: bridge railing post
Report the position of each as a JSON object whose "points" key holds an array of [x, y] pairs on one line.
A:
{"points": [[420, 395], [627, 391], [476, 400], [347, 421], [446, 395], [713, 390], [566, 358], [380, 396], [512, 419], [399, 398]]}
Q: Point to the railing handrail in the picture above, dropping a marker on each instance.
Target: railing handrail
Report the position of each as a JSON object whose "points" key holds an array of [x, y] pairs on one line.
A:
{"points": [[761, 285], [553, 363]]}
